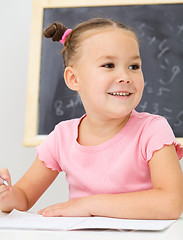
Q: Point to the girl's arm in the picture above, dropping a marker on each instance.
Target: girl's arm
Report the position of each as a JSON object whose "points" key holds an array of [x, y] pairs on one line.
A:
{"points": [[163, 201], [28, 189]]}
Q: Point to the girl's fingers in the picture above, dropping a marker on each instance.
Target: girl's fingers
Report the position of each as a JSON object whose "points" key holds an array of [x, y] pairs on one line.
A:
{"points": [[4, 174], [54, 210], [4, 193], [3, 181], [3, 188]]}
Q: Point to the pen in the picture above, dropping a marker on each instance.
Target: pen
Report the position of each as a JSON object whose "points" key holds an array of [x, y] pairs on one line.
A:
{"points": [[4, 181]]}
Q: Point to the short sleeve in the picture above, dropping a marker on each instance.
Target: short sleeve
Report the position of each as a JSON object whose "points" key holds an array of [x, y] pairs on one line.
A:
{"points": [[158, 133], [47, 151]]}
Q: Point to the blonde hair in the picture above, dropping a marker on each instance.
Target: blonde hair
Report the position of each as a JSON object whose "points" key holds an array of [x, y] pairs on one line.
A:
{"points": [[73, 40]]}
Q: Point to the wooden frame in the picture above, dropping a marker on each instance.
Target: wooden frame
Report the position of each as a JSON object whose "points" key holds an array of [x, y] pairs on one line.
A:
{"points": [[31, 138]]}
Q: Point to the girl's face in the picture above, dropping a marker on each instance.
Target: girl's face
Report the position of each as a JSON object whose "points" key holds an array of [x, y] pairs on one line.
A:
{"points": [[109, 74]]}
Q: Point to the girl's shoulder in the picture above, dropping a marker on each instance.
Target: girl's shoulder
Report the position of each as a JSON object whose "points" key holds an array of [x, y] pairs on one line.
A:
{"points": [[154, 133], [145, 119], [152, 124], [69, 124], [145, 116]]}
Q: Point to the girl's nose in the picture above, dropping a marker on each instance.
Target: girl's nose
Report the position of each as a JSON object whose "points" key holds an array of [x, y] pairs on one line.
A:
{"points": [[124, 81], [123, 77]]}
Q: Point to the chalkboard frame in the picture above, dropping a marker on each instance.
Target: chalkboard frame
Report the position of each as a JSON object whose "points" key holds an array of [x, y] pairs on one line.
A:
{"points": [[31, 136]]}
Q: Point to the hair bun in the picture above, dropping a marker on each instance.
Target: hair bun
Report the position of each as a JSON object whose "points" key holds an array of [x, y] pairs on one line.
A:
{"points": [[55, 31]]}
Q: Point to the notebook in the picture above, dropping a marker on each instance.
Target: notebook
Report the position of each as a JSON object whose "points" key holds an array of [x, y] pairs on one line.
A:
{"points": [[26, 220]]}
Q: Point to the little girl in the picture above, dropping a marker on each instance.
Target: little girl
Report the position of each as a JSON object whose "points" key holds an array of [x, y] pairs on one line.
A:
{"points": [[118, 162]]}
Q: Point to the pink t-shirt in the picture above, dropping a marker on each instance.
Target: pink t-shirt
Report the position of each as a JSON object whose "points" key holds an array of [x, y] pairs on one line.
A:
{"points": [[119, 165]]}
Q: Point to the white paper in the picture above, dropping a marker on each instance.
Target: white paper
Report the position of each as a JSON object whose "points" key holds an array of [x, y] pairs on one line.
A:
{"points": [[26, 220], [125, 224]]}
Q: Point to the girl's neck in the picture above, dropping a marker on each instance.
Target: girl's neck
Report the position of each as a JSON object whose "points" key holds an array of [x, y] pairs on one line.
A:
{"points": [[92, 131]]}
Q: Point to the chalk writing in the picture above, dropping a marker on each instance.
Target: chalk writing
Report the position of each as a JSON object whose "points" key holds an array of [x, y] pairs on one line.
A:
{"points": [[162, 48], [143, 106], [180, 29], [179, 119], [175, 71], [161, 90], [59, 108], [155, 108], [167, 110], [67, 103]]}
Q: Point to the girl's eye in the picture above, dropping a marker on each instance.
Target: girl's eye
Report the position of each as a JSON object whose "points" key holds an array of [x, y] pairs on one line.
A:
{"points": [[134, 67], [108, 65]]}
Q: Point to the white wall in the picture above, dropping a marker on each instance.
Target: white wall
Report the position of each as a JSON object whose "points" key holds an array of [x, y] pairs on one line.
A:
{"points": [[15, 24]]}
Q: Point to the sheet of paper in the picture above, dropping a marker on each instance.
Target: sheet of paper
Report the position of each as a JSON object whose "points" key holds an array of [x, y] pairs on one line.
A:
{"points": [[125, 224], [26, 220]]}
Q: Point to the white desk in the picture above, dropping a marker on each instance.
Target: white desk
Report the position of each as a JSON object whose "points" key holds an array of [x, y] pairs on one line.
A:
{"points": [[175, 232]]}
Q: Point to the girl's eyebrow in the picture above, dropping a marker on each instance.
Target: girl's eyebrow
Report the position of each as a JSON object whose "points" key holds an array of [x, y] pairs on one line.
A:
{"points": [[136, 57], [108, 57]]}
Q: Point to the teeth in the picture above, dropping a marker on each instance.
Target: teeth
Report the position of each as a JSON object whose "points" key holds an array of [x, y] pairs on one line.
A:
{"points": [[120, 94]]}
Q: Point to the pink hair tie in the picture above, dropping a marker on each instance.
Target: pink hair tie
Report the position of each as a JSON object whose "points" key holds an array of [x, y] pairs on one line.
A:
{"points": [[66, 33]]}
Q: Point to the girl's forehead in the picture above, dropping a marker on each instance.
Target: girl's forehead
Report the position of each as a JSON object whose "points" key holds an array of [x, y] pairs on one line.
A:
{"points": [[104, 35], [107, 42], [110, 38]]}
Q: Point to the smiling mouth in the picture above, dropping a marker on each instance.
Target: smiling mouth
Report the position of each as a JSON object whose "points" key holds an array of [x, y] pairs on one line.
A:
{"points": [[120, 94]]}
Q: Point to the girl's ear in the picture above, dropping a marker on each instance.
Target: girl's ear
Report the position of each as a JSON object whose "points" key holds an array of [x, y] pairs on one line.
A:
{"points": [[71, 79]]}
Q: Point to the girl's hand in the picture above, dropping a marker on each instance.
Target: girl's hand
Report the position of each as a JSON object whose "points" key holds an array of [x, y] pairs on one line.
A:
{"points": [[6, 192], [74, 208]]}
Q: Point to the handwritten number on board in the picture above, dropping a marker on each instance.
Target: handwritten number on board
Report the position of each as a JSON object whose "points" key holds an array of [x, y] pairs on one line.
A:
{"points": [[179, 119]]}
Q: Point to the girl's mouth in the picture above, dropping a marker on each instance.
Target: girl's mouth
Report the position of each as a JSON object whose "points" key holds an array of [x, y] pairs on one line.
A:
{"points": [[120, 94]]}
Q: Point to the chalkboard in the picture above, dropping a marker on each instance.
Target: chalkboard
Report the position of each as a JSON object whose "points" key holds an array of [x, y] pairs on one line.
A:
{"points": [[159, 28]]}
